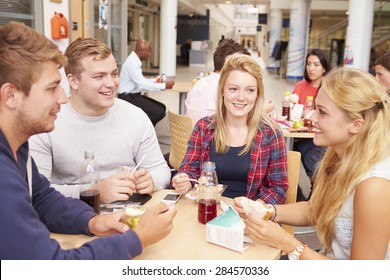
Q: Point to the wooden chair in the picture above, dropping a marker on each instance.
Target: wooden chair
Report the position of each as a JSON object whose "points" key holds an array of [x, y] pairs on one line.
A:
{"points": [[181, 128], [293, 167]]}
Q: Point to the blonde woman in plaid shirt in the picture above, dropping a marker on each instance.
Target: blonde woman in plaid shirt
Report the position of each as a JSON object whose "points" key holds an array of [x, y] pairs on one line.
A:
{"points": [[246, 145]]}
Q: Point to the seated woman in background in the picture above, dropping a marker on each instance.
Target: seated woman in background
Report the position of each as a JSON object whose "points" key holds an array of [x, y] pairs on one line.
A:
{"points": [[382, 71], [350, 203], [246, 145], [317, 66]]}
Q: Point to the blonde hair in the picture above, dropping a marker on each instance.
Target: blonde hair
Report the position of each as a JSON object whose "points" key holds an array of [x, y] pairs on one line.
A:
{"points": [[81, 48], [243, 63], [359, 96], [23, 54]]}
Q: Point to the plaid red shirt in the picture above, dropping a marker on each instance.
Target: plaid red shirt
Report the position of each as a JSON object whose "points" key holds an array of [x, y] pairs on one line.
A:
{"points": [[267, 176]]}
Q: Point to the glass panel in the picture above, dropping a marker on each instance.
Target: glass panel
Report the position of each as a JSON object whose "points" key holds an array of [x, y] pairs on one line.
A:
{"points": [[101, 19], [116, 30], [147, 36], [108, 22], [17, 10]]}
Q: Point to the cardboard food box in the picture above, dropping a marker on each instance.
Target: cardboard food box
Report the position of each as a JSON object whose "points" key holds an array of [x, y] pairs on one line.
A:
{"points": [[227, 230]]}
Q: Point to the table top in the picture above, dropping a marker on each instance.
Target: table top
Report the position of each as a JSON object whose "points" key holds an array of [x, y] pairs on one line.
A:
{"points": [[188, 238], [290, 134], [182, 86]]}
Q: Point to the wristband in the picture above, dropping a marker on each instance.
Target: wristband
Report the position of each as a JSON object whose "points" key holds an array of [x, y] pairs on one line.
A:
{"points": [[273, 217]]}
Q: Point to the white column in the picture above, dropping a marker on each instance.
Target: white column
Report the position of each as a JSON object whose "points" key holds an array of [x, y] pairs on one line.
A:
{"points": [[168, 33], [275, 34], [299, 19], [156, 38], [359, 32]]}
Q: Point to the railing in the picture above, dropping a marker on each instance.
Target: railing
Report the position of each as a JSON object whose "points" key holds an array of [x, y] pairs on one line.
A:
{"points": [[322, 41]]}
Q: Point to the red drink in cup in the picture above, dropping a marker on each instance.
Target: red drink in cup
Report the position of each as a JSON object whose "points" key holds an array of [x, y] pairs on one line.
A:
{"points": [[207, 210]]}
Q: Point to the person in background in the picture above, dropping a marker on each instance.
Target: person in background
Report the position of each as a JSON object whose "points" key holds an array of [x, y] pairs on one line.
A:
{"points": [[132, 83], [30, 99], [95, 120], [373, 58], [249, 44], [185, 51], [202, 98], [351, 194], [246, 145], [316, 67], [382, 71]]}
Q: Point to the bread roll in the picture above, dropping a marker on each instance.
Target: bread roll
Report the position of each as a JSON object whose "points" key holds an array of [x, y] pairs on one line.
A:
{"points": [[256, 208]]}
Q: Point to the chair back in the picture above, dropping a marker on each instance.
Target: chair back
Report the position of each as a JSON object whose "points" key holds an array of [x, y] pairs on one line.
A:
{"points": [[293, 167], [181, 128]]}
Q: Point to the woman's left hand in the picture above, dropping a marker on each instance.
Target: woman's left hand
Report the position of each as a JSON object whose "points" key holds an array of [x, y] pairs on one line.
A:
{"points": [[269, 233]]}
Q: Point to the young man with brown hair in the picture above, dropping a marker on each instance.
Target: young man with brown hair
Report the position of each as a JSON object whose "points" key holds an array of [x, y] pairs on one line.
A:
{"points": [[30, 99]]}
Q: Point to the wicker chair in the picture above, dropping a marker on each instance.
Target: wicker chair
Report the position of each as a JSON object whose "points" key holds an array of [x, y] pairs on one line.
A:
{"points": [[181, 128], [293, 167]]}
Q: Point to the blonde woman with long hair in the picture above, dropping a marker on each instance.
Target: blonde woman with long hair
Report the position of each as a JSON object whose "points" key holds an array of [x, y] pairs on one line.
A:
{"points": [[246, 145], [350, 203]]}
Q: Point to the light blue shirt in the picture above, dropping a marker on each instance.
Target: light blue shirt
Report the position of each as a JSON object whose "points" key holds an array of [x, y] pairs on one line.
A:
{"points": [[131, 78]]}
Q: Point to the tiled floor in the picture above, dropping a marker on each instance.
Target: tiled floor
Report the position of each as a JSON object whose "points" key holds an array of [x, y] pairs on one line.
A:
{"points": [[274, 88]]}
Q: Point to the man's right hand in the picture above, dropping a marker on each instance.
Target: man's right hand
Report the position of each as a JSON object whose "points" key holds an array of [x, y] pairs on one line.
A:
{"points": [[169, 84], [116, 187], [155, 224]]}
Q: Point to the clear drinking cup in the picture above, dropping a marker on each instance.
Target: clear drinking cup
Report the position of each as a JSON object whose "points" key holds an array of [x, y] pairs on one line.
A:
{"points": [[123, 169], [133, 213]]}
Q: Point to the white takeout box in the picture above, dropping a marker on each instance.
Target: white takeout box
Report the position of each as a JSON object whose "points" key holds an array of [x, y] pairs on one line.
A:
{"points": [[227, 230]]}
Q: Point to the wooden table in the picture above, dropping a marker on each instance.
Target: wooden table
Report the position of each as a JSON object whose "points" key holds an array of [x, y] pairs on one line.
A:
{"points": [[188, 238], [182, 88], [289, 137]]}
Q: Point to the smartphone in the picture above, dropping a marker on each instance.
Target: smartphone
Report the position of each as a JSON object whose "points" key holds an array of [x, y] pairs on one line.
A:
{"points": [[171, 198], [139, 198]]}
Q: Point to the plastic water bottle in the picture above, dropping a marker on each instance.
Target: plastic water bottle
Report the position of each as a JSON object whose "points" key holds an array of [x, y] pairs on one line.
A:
{"points": [[89, 181], [163, 77], [207, 193], [286, 105], [308, 110]]}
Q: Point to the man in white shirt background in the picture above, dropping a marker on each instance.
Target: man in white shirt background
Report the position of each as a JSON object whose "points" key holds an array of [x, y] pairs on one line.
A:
{"points": [[132, 83]]}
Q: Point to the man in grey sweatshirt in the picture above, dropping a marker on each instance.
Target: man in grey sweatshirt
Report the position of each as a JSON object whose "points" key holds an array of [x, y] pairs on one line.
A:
{"points": [[119, 133]]}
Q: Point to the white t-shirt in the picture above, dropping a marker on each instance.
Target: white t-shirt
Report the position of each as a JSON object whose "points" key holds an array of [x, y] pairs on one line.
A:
{"points": [[341, 245], [202, 98]]}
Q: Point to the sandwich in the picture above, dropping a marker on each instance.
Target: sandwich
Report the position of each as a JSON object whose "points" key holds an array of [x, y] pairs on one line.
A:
{"points": [[256, 208]]}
